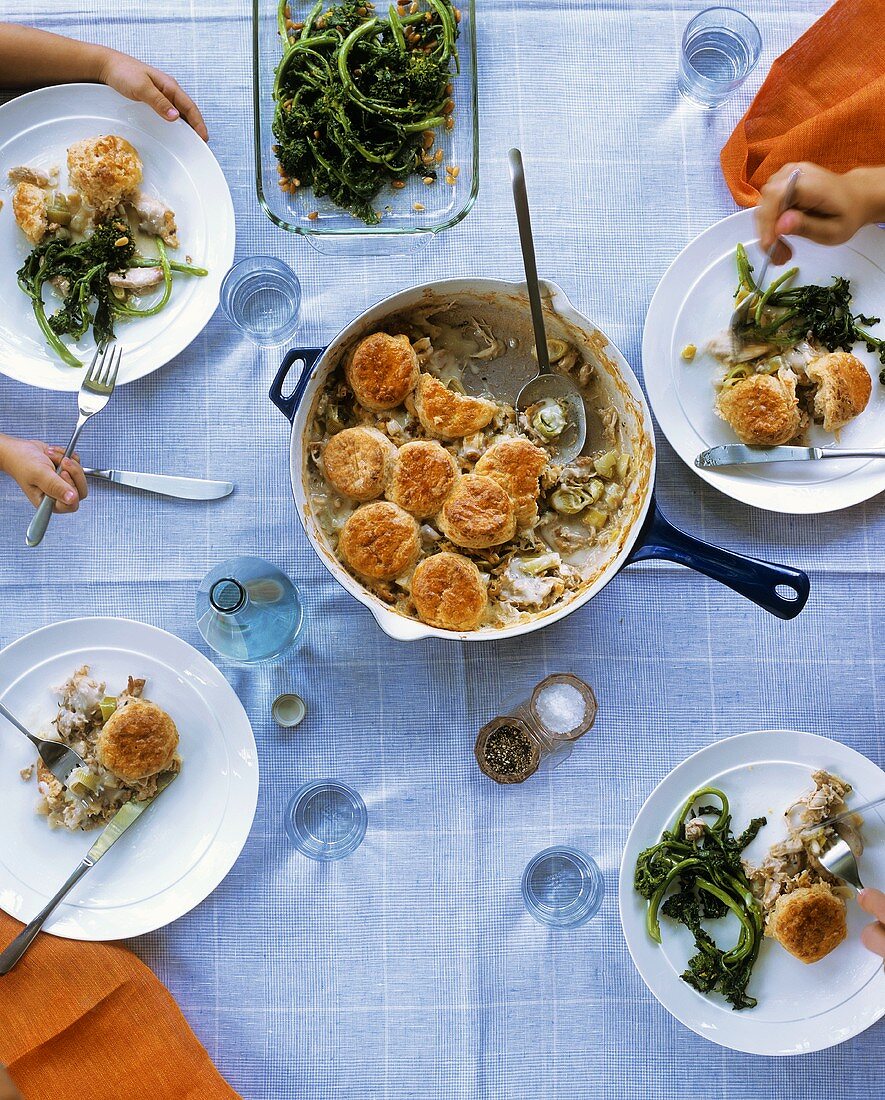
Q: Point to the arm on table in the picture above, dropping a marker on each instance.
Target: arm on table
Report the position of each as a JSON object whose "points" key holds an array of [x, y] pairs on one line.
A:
{"points": [[30, 58]]}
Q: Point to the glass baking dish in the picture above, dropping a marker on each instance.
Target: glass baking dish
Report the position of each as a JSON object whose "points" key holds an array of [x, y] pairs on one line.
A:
{"points": [[402, 227]]}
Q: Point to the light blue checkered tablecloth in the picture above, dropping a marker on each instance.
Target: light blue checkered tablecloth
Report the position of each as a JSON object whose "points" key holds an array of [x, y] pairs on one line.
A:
{"points": [[411, 970]]}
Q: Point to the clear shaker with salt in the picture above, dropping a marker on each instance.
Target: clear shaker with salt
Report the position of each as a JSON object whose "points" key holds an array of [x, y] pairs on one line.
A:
{"points": [[538, 731]]}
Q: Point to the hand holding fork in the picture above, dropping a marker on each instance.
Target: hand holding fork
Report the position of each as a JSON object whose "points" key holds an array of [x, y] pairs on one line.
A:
{"points": [[95, 392]]}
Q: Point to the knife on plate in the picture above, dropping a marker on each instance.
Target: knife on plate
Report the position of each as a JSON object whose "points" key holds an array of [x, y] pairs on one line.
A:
{"points": [[126, 816], [738, 454], [167, 485]]}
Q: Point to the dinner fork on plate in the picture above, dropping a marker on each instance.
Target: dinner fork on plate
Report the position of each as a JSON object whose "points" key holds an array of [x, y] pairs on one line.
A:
{"points": [[60, 759], [739, 315], [838, 858], [95, 391]]}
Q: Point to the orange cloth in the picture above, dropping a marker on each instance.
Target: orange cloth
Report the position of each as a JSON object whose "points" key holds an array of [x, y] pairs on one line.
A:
{"points": [[823, 101], [89, 1021]]}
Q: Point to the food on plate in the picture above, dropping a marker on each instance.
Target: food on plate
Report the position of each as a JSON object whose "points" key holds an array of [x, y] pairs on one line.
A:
{"points": [[843, 389], [809, 922], [126, 742], [29, 210], [473, 471], [359, 98], [803, 904], [87, 250], [699, 859], [518, 465], [445, 414], [423, 473], [357, 462], [380, 541], [382, 370], [104, 171], [792, 362], [449, 592], [761, 409], [137, 741], [478, 513]]}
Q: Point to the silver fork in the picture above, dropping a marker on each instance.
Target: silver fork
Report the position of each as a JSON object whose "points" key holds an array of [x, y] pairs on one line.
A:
{"points": [[95, 391], [837, 857], [60, 759], [739, 315]]}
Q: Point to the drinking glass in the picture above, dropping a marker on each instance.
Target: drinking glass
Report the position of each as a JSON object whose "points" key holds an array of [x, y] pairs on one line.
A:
{"points": [[326, 820], [562, 887], [262, 296], [720, 48]]}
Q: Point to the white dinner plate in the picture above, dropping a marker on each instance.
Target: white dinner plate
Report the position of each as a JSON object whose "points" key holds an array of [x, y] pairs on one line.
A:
{"points": [[180, 850], [693, 302], [36, 129], [801, 1008]]}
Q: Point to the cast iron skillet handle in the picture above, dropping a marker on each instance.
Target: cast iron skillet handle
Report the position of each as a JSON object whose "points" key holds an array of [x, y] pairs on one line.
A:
{"points": [[288, 405], [757, 580]]}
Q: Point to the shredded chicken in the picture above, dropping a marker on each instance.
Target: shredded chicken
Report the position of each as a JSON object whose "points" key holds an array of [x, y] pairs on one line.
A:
{"points": [[137, 279], [155, 218], [24, 173], [790, 864]]}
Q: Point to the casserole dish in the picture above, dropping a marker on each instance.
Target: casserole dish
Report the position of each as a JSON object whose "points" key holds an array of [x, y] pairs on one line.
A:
{"points": [[644, 533]]}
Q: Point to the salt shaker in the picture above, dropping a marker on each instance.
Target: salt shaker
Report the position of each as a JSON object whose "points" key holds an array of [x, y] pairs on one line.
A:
{"points": [[544, 727]]}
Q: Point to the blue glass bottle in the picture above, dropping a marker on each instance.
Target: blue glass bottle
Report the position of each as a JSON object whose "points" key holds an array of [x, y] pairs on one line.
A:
{"points": [[248, 610]]}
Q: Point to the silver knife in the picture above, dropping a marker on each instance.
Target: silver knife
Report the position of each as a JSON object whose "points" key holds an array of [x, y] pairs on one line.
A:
{"points": [[127, 815], [738, 454], [167, 485]]}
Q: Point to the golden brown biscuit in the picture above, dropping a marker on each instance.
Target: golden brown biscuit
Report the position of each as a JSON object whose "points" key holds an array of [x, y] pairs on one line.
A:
{"points": [[448, 592], [29, 209], [449, 415], [762, 410], [517, 464], [104, 170], [382, 371], [380, 541], [478, 513], [809, 922], [138, 740], [357, 462], [843, 388], [422, 475]]}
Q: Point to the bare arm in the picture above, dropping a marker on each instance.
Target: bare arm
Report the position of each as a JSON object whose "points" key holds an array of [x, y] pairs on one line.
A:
{"points": [[30, 58]]}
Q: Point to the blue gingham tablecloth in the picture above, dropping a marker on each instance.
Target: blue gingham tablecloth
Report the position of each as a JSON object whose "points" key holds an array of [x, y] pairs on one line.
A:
{"points": [[411, 970]]}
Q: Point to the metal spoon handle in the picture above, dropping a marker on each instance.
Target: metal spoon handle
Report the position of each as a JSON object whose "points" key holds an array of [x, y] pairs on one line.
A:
{"points": [[524, 221]]}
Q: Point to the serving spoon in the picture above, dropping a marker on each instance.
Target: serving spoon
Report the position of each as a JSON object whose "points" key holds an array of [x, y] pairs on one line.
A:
{"points": [[546, 387]]}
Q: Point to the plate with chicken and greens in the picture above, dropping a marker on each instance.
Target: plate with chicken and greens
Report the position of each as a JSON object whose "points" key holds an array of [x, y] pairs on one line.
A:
{"points": [[114, 226], [806, 368], [732, 921]]}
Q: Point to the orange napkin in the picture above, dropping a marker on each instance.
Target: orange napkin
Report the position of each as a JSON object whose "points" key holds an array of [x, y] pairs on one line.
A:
{"points": [[823, 101], [89, 1021]]}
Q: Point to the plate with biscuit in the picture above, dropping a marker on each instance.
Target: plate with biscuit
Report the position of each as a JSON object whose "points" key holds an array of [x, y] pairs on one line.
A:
{"points": [[730, 920], [797, 376], [137, 704]]}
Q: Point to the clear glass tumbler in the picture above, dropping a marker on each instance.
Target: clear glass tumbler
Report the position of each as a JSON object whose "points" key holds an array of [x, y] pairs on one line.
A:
{"points": [[562, 887], [326, 820], [720, 48], [262, 296], [248, 610]]}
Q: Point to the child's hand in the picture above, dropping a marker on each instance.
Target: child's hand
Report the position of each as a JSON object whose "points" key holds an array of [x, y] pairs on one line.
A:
{"points": [[873, 936], [32, 464], [828, 208], [145, 84]]}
